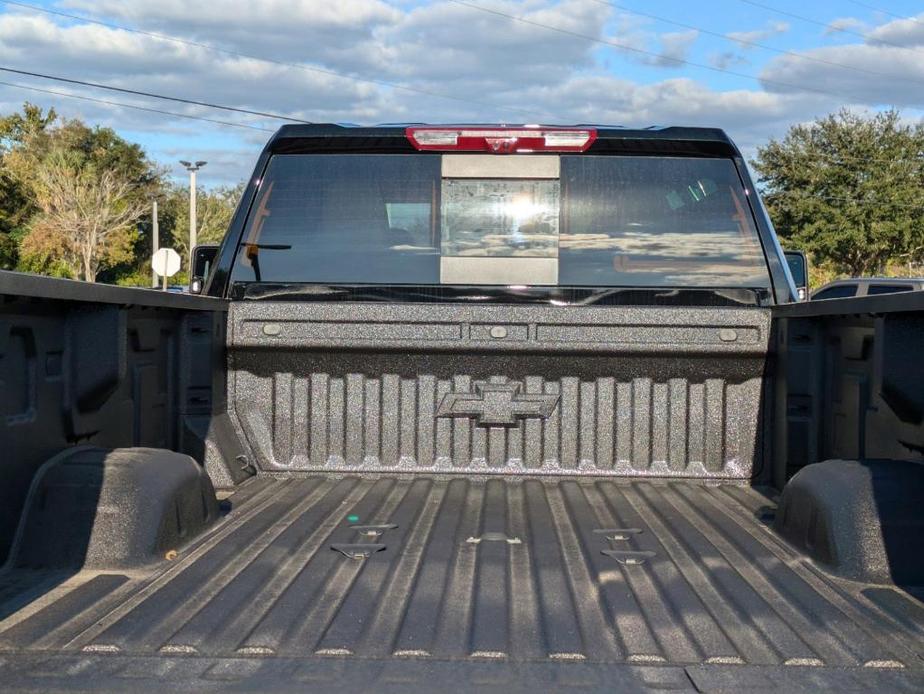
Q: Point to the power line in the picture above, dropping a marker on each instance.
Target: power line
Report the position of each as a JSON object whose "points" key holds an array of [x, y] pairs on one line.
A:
{"points": [[846, 159], [300, 66], [826, 25], [850, 162], [855, 201], [748, 42], [875, 160], [836, 159], [642, 51], [271, 61], [885, 12], [906, 156], [152, 95], [133, 106]]}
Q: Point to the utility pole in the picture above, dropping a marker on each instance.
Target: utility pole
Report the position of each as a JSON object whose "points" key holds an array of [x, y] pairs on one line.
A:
{"points": [[192, 168], [155, 231]]}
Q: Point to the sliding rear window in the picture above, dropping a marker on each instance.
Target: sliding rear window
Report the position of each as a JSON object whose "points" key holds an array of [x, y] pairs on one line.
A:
{"points": [[570, 220]]}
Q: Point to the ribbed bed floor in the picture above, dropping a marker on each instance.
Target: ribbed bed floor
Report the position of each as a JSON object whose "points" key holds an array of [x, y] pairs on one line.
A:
{"points": [[499, 569]]}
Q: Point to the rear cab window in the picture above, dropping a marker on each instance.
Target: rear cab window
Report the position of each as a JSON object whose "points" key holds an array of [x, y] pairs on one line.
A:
{"points": [[565, 220], [841, 291], [888, 288]]}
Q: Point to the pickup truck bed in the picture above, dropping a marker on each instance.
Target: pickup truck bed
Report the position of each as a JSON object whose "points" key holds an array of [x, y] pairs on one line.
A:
{"points": [[508, 572], [612, 458]]}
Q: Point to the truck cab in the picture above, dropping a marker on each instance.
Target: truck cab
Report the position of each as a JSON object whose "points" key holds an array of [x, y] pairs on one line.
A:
{"points": [[519, 408]]}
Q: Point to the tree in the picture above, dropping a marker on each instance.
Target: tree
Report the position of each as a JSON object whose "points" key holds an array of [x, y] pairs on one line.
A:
{"points": [[214, 210], [849, 189], [16, 206], [11, 202], [87, 214], [100, 165], [19, 127]]}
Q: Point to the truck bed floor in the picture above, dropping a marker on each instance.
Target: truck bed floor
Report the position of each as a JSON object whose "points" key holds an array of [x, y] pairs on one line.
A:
{"points": [[538, 572]]}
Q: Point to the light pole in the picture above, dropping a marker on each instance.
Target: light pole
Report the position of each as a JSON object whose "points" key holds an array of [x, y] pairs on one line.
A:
{"points": [[192, 168], [155, 241]]}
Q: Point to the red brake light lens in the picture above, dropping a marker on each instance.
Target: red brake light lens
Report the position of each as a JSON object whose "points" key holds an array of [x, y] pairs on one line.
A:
{"points": [[501, 140]]}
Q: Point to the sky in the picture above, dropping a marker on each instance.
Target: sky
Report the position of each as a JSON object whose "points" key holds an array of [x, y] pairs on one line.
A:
{"points": [[751, 67]]}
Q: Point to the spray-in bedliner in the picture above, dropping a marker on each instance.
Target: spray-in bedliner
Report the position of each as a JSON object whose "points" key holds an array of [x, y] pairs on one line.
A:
{"points": [[484, 569]]}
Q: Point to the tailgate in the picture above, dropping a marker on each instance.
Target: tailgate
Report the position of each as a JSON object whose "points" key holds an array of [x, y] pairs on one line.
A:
{"points": [[671, 392]]}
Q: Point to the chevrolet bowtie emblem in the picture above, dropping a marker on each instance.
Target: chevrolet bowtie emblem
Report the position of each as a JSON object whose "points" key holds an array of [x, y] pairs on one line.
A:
{"points": [[497, 404]]}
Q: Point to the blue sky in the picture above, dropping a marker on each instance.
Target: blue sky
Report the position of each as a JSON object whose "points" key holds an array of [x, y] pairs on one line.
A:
{"points": [[368, 61]]}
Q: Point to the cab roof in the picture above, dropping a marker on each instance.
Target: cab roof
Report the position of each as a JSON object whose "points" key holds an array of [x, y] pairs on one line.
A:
{"points": [[392, 138]]}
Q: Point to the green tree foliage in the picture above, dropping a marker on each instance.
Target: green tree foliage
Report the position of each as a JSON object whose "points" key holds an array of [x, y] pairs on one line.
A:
{"points": [[214, 209], [87, 215], [75, 201], [19, 127], [72, 194], [16, 205], [849, 189], [9, 239]]}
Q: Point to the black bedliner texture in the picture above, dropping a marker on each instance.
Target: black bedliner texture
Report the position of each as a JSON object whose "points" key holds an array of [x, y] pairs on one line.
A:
{"points": [[861, 519], [509, 570]]}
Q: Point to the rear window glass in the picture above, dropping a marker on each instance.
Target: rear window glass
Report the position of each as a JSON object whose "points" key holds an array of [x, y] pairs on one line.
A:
{"points": [[501, 218], [838, 292], [888, 288], [585, 221], [796, 262]]}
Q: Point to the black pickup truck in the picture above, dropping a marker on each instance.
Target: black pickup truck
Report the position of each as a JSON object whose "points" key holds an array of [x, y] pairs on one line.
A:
{"points": [[510, 409]]}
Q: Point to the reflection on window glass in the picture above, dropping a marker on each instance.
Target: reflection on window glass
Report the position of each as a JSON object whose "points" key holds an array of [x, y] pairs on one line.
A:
{"points": [[350, 219], [839, 292], [796, 268], [888, 288], [657, 221], [607, 221], [500, 218], [413, 218]]}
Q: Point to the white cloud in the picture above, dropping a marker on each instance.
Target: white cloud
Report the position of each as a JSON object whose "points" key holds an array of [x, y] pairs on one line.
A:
{"points": [[902, 32], [749, 116], [225, 167], [744, 38], [632, 37], [100, 54], [269, 15], [494, 69], [870, 73], [728, 60], [675, 47], [848, 24], [445, 41], [301, 30]]}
